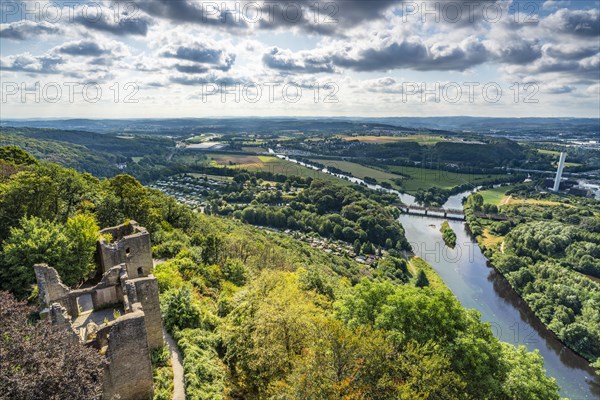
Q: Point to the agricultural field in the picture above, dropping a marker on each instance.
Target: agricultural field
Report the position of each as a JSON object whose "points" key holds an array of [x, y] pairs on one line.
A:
{"points": [[423, 178], [236, 160], [413, 178], [268, 164], [567, 164], [498, 197], [360, 171]]}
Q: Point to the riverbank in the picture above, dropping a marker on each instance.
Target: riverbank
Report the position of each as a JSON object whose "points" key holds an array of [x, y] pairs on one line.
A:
{"points": [[541, 276], [466, 272]]}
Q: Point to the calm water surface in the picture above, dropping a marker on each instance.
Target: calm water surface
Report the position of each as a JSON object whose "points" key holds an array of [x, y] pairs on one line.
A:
{"points": [[477, 285]]}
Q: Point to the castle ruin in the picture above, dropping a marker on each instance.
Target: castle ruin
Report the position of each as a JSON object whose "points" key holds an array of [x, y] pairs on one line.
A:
{"points": [[119, 315]]}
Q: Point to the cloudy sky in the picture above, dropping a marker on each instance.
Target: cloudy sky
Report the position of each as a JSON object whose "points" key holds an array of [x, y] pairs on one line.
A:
{"points": [[172, 58]]}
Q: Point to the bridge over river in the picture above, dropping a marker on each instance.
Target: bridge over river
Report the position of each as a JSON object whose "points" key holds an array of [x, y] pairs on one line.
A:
{"points": [[446, 213]]}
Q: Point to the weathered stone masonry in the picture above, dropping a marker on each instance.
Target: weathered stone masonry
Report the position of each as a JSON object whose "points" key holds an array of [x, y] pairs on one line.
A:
{"points": [[130, 245], [122, 319]]}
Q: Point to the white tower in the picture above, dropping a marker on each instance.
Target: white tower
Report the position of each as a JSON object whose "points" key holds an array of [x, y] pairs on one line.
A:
{"points": [[559, 171]]}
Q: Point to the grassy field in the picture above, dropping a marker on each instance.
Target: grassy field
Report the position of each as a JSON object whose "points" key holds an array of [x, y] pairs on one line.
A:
{"points": [[423, 178], [557, 155], [567, 164], [235, 160], [512, 200], [421, 139], [416, 264], [269, 164], [491, 241], [359, 171], [495, 196], [549, 152], [413, 178]]}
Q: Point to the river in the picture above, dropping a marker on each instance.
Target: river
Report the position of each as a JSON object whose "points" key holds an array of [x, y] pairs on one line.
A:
{"points": [[466, 272]]}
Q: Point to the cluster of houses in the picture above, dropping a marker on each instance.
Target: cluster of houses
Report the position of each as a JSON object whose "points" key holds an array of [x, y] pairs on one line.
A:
{"points": [[192, 190], [187, 189], [335, 247]]}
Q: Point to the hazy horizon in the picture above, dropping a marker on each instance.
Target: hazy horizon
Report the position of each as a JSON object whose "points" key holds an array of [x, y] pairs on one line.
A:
{"points": [[382, 58]]}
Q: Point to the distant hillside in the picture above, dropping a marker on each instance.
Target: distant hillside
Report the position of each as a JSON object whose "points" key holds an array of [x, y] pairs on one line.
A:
{"points": [[185, 127], [190, 126]]}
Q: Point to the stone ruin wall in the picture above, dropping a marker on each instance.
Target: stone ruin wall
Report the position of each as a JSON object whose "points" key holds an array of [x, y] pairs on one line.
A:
{"points": [[130, 245], [127, 341], [129, 372]]}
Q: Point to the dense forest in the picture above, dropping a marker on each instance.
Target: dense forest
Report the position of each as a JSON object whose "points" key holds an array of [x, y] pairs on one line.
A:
{"points": [[334, 211], [550, 255], [473, 154], [259, 315]]}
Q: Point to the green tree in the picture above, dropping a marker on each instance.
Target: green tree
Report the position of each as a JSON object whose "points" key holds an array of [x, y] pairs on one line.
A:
{"points": [[26, 193], [15, 155], [267, 331], [34, 241], [364, 303], [357, 246], [367, 248], [422, 280], [526, 378], [180, 309], [82, 233], [234, 271]]}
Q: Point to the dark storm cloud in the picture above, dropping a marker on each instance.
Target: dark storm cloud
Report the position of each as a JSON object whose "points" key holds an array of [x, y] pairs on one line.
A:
{"points": [[82, 48], [198, 54], [191, 11], [285, 61], [519, 52], [414, 55], [191, 69], [202, 54], [24, 30], [324, 17], [46, 64], [122, 26], [582, 23]]}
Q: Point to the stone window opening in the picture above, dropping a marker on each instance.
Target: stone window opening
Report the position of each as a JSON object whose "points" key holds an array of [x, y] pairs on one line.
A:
{"points": [[140, 271], [127, 251], [84, 304]]}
